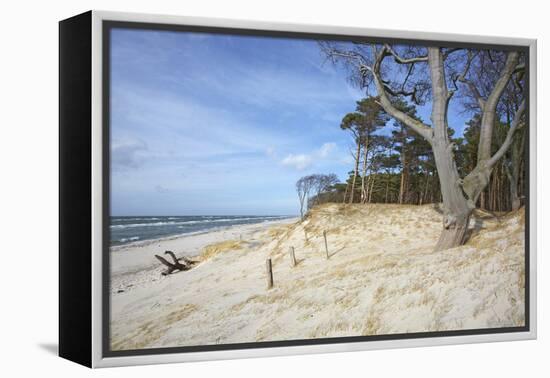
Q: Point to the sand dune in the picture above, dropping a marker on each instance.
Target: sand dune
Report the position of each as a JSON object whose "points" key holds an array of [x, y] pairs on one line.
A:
{"points": [[382, 277]]}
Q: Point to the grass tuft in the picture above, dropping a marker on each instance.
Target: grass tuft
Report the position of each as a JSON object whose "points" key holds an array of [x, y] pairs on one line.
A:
{"points": [[215, 249]]}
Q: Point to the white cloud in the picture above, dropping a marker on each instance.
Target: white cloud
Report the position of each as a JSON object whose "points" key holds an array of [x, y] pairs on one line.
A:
{"points": [[326, 149], [303, 161], [300, 161], [169, 121], [128, 153]]}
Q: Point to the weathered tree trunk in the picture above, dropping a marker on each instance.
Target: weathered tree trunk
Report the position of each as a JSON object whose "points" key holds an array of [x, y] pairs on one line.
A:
{"points": [[356, 171], [346, 192], [513, 177], [514, 196], [371, 190], [364, 171], [482, 200], [514, 169], [367, 189], [476, 181], [405, 169], [455, 205], [424, 195]]}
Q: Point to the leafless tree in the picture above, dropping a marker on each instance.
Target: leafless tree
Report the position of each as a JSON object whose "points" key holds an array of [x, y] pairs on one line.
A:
{"points": [[486, 70], [437, 73], [303, 187], [354, 122], [323, 183], [315, 185]]}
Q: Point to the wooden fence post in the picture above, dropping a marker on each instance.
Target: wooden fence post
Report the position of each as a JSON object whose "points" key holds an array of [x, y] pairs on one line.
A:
{"points": [[326, 244], [269, 273], [292, 257]]}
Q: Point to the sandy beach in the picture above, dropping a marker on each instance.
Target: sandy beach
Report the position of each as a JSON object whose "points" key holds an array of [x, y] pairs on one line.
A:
{"points": [[381, 277], [134, 264]]}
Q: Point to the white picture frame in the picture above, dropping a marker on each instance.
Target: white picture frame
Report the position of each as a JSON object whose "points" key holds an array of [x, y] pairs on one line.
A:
{"points": [[98, 357]]}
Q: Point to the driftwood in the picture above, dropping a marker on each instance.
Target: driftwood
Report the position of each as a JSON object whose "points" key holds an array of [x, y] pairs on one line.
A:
{"points": [[180, 265]]}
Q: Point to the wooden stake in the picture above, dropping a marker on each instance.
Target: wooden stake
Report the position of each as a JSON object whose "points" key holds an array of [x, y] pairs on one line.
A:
{"points": [[292, 257], [326, 244], [269, 273]]}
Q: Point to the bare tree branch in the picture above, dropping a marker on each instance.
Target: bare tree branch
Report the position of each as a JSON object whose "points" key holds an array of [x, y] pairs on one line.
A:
{"points": [[520, 68], [419, 127], [506, 74], [489, 109], [462, 78], [400, 60], [509, 136], [402, 92]]}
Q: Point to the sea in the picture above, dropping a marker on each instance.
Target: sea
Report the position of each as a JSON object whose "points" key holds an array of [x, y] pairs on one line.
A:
{"points": [[131, 229]]}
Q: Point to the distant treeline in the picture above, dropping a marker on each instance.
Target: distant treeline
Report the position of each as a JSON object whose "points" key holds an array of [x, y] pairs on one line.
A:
{"points": [[399, 167]]}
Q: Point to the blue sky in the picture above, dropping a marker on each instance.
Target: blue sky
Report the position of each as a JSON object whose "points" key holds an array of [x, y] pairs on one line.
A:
{"points": [[206, 124]]}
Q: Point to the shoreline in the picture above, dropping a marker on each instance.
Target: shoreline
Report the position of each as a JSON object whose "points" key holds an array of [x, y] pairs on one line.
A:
{"points": [[134, 264], [146, 242]]}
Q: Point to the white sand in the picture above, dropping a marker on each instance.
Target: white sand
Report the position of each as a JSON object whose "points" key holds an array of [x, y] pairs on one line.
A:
{"points": [[382, 277], [133, 264]]}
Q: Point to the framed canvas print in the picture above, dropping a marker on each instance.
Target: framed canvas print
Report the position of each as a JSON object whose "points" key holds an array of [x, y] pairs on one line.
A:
{"points": [[236, 189]]}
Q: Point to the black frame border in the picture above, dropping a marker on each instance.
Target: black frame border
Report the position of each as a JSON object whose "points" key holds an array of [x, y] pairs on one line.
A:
{"points": [[75, 189], [108, 25]]}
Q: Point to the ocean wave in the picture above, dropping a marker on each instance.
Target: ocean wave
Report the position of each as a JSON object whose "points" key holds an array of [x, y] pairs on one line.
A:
{"points": [[184, 223], [124, 240], [124, 219], [155, 224]]}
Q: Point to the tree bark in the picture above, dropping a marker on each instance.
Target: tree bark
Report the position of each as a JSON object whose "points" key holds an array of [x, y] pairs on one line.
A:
{"points": [[364, 171], [356, 171], [513, 171], [514, 196], [456, 210], [424, 194], [346, 192], [455, 205], [367, 189], [301, 209], [405, 168], [371, 188]]}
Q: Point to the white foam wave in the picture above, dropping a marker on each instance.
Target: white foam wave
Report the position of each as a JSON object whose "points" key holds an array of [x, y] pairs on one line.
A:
{"points": [[184, 223], [133, 238]]}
